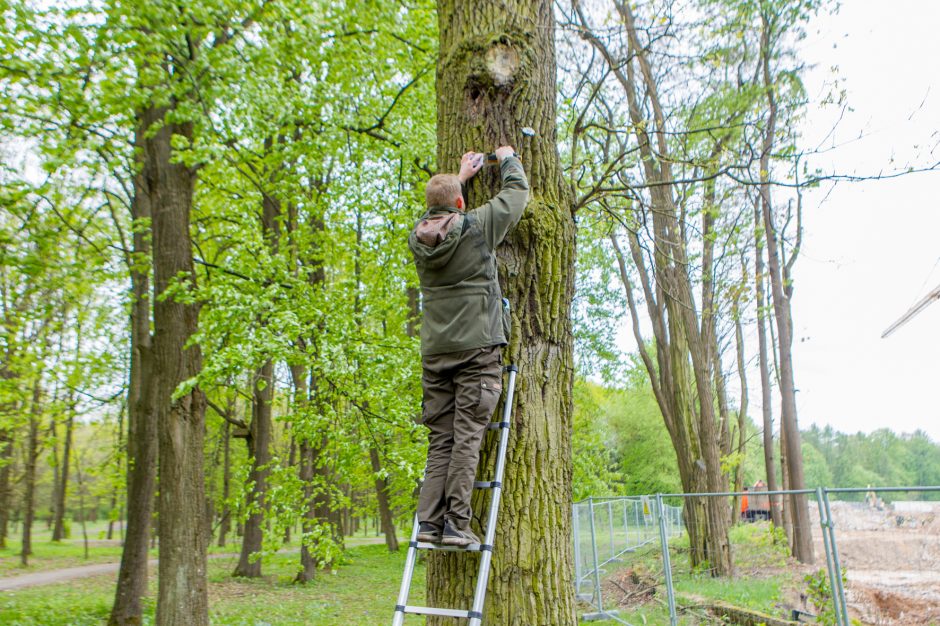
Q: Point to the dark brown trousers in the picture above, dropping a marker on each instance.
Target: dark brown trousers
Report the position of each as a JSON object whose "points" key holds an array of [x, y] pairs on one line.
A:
{"points": [[461, 389]]}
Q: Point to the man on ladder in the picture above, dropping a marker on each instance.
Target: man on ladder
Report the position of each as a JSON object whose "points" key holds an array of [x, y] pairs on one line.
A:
{"points": [[465, 324]]}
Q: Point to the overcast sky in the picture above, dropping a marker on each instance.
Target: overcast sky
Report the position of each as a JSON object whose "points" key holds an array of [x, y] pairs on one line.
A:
{"points": [[872, 249]]}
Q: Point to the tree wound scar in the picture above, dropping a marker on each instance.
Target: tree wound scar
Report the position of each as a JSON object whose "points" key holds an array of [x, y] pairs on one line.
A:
{"points": [[502, 63]]}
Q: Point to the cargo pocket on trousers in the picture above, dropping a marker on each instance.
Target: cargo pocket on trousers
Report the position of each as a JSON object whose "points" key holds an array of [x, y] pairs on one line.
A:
{"points": [[490, 390]]}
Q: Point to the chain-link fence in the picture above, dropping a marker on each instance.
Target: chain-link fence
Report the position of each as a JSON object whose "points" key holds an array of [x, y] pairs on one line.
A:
{"points": [[870, 556]]}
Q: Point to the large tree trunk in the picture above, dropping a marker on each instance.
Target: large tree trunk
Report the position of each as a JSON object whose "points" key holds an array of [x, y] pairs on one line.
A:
{"points": [[259, 443], [381, 492], [141, 409], [182, 598], [496, 73], [802, 530], [32, 453]]}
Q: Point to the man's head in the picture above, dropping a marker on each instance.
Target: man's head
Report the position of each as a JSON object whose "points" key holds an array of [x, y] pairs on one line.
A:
{"points": [[444, 190]]}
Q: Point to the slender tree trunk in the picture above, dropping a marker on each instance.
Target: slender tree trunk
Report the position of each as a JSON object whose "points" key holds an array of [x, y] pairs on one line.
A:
{"points": [[32, 453], [493, 77], [182, 596], [6, 463], [802, 530], [127, 609], [6, 456], [58, 530], [776, 513], [259, 442], [381, 492], [743, 406], [308, 394], [226, 522], [81, 503], [52, 436], [291, 462], [785, 479], [308, 565], [683, 380]]}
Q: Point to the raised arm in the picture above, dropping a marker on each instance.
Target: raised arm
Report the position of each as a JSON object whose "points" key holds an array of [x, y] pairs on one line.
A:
{"points": [[503, 212]]}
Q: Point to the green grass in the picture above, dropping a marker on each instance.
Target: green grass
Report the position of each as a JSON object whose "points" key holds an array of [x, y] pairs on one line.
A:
{"points": [[361, 592], [50, 555]]}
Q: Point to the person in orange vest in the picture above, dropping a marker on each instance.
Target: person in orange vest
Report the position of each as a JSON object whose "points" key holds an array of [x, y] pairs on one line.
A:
{"points": [[744, 507]]}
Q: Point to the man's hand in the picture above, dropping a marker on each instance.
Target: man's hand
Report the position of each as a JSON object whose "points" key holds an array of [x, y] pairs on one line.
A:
{"points": [[504, 152], [470, 164]]}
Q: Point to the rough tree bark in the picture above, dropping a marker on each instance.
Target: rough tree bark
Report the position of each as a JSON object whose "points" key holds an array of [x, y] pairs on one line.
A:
{"points": [[182, 596], [496, 74], [799, 509], [141, 410]]}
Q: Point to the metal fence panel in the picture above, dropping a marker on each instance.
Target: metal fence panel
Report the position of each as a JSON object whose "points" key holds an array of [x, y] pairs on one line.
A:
{"points": [[888, 548], [615, 539], [876, 560]]}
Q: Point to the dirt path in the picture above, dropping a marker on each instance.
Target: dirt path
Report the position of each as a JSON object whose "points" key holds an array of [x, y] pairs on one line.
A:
{"points": [[51, 577], [62, 575]]}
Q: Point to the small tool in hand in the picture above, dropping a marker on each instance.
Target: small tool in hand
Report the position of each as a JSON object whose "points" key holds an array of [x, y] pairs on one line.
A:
{"points": [[527, 131]]}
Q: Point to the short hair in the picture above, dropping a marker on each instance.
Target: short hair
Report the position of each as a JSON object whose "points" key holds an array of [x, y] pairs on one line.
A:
{"points": [[442, 190]]}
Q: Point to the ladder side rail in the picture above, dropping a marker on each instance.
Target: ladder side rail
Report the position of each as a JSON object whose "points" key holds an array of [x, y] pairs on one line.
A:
{"points": [[405, 589], [479, 593]]}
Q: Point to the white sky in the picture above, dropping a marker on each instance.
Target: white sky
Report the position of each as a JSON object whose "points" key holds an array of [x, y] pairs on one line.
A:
{"points": [[872, 249]]}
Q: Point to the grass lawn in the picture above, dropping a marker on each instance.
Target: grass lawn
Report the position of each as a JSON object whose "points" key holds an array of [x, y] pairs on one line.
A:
{"points": [[361, 592], [50, 555]]}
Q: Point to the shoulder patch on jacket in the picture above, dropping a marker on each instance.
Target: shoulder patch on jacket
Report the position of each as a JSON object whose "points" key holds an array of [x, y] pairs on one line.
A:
{"points": [[431, 231]]}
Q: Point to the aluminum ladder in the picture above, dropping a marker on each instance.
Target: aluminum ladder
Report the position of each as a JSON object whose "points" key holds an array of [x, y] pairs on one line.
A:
{"points": [[475, 614]]}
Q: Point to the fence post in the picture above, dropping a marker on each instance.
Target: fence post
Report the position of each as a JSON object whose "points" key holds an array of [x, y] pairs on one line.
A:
{"points": [[597, 573], [576, 530], [825, 523], [667, 566], [835, 560], [626, 525], [610, 520]]}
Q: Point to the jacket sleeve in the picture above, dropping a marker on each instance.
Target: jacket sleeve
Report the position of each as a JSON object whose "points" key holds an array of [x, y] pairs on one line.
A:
{"points": [[503, 212]]}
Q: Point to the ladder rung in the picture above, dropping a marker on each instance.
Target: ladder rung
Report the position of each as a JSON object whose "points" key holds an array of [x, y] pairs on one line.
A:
{"points": [[430, 610], [486, 484], [473, 547]]}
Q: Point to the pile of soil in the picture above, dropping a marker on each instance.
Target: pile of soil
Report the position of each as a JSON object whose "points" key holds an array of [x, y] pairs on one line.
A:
{"points": [[630, 588]]}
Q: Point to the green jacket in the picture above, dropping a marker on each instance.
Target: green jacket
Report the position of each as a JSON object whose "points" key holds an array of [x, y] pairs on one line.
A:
{"points": [[454, 254]]}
